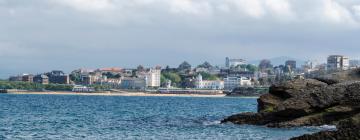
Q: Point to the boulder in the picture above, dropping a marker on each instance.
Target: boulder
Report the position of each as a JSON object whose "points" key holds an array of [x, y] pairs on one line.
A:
{"points": [[310, 102]]}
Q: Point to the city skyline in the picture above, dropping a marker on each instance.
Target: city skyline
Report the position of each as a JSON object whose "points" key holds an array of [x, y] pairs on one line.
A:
{"points": [[44, 35]]}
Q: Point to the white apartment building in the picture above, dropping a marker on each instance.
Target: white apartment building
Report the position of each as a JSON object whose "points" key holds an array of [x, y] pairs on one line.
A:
{"points": [[208, 84], [234, 82], [234, 62], [338, 62], [152, 77]]}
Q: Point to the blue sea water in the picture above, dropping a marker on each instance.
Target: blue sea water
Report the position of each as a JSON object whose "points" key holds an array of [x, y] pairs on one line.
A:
{"points": [[117, 117]]}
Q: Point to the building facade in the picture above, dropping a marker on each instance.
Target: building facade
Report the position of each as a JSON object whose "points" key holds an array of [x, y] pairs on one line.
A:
{"points": [[41, 79], [133, 83], [234, 82], [28, 78], [208, 84], [234, 62], [58, 77], [78, 88], [152, 77], [338, 62]]}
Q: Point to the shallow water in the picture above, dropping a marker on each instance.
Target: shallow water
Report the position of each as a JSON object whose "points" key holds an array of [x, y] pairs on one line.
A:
{"points": [[117, 117]]}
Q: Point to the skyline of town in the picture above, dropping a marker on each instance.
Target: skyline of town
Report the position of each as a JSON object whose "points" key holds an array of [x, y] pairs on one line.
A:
{"points": [[236, 72], [275, 61]]}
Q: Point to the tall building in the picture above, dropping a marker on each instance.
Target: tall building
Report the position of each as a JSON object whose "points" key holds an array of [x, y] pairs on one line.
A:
{"points": [[151, 76], [234, 62], [338, 62]]}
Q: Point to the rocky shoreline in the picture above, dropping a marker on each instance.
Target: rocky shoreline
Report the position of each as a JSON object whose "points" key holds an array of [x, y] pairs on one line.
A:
{"points": [[332, 100]]}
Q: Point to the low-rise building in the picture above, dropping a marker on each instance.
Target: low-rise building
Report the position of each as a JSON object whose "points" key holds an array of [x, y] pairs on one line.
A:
{"points": [[208, 84], [15, 78], [58, 77], [22, 78], [133, 83], [41, 79], [92, 78], [113, 83], [234, 82], [28, 78], [79, 88]]}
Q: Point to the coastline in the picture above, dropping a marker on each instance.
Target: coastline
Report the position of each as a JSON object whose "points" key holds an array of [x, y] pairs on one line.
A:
{"points": [[121, 94]]}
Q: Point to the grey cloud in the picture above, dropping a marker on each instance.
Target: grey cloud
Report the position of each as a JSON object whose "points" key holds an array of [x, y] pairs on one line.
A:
{"points": [[40, 35]]}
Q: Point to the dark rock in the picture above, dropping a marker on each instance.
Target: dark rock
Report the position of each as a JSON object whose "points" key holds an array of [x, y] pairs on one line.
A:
{"points": [[311, 102], [248, 91]]}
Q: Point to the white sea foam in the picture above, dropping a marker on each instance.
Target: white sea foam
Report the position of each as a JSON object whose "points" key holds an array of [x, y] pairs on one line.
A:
{"points": [[207, 123], [328, 127]]}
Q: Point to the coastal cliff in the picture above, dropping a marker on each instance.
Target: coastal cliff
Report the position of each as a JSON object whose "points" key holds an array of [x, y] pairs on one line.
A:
{"points": [[329, 100]]}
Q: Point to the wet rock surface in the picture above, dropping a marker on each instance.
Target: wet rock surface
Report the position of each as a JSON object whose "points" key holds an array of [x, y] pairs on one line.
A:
{"points": [[310, 102]]}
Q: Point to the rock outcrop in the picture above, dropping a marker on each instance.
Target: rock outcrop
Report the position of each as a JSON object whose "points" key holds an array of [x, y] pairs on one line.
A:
{"points": [[247, 91], [310, 102]]}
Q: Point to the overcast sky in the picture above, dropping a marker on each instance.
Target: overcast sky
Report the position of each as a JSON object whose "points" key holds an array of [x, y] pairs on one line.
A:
{"points": [[41, 35]]}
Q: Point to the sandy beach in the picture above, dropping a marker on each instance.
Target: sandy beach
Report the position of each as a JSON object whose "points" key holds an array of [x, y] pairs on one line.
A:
{"points": [[121, 94]]}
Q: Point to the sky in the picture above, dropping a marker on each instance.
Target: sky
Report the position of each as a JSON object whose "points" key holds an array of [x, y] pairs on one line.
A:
{"points": [[41, 35]]}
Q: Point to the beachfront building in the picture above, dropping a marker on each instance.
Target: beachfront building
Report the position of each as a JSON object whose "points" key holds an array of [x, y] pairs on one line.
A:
{"points": [[88, 79], [24, 78], [151, 76], [41, 79], [79, 88], [15, 78], [208, 84], [113, 83], [234, 82], [92, 78], [58, 77], [234, 62], [28, 78], [337, 62], [133, 83]]}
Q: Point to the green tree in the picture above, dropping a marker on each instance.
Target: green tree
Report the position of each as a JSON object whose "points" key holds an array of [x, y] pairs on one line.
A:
{"points": [[174, 77], [207, 76], [162, 79], [251, 68]]}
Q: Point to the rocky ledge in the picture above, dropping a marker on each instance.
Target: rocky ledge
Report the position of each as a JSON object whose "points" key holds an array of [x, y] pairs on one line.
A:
{"points": [[311, 102]]}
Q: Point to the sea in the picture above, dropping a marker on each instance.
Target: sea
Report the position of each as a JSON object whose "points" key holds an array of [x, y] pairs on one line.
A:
{"points": [[135, 118]]}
